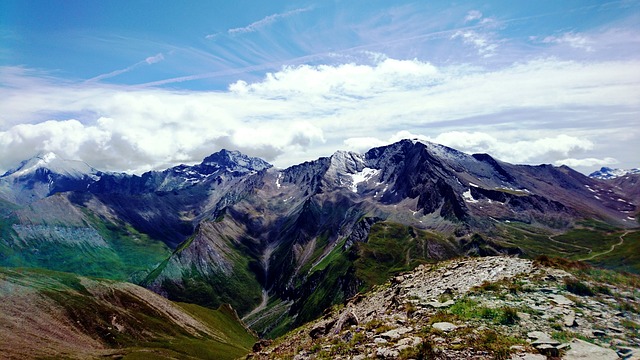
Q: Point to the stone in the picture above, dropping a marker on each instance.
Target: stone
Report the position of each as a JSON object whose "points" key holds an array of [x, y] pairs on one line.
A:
{"points": [[625, 352], [582, 350], [318, 331], [261, 344], [528, 356], [387, 353], [395, 333], [560, 300], [548, 350], [569, 320], [379, 340], [438, 305], [537, 335], [615, 329], [347, 319], [599, 333], [444, 326]]}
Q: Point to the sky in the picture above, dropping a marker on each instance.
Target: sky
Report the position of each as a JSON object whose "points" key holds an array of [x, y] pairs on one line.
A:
{"points": [[132, 85]]}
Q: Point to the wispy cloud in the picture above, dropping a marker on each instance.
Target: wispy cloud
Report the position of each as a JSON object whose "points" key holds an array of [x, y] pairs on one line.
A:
{"points": [[575, 40], [483, 43], [148, 61], [473, 15], [268, 20]]}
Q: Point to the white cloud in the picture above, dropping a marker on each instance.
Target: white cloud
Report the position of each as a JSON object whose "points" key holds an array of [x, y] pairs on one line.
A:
{"points": [[520, 151], [586, 162], [154, 59], [538, 111], [473, 15], [268, 20], [574, 40], [485, 45], [148, 61]]}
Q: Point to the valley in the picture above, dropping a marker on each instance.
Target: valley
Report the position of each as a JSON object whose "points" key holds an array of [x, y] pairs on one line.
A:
{"points": [[281, 246]]}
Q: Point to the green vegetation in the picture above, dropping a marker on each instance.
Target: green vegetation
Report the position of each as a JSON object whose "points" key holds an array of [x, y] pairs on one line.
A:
{"points": [[93, 306], [393, 248], [128, 256], [467, 309], [578, 287], [624, 257]]}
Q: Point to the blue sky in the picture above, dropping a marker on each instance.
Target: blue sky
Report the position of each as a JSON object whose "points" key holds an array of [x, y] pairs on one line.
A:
{"points": [[139, 85]]}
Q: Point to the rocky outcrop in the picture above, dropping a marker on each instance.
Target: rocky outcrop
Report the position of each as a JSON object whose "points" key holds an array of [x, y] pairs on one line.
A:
{"points": [[487, 308]]}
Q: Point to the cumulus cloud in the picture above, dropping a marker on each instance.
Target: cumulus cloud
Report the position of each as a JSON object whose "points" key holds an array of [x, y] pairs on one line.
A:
{"points": [[538, 111], [268, 20], [520, 151]]}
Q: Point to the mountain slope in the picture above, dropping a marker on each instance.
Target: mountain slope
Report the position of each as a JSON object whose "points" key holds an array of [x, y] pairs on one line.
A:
{"points": [[305, 229], [480, 308], [234, 229], [607, 173], [50, 314]]}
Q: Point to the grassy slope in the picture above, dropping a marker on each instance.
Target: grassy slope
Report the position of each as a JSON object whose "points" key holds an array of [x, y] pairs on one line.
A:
{"points": [[391, 248], [86, 308], [130, 254]]}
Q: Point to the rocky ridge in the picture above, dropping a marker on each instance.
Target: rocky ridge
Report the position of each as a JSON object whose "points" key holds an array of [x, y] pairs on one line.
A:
{"points": [[479, 308]]}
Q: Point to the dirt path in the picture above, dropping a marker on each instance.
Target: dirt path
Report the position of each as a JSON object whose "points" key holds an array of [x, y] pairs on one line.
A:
{"points": [[621, 237], [550, 237]]}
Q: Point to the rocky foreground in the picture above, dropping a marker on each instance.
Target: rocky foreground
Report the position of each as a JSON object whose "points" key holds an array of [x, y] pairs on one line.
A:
{"points": [[479, 308]]}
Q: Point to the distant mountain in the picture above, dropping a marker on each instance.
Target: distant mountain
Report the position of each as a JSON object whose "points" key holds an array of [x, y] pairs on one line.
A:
{"points": [[607, 173], [43, 175], [281, 245]]}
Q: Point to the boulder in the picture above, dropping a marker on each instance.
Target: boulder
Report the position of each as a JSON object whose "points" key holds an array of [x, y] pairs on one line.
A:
{"points": [[582, 350], [444, 326]]}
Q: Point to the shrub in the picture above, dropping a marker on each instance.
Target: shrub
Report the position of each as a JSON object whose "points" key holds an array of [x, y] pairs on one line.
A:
{"points": [[509, 316], [578, 287]]}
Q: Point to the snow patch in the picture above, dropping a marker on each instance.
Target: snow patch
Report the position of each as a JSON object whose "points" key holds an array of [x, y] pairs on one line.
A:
{"points": [[362, 176], [278, 181], [468, 197]]}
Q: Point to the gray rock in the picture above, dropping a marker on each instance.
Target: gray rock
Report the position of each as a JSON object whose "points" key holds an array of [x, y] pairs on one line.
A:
{"points": [[438, 305], [569, 320], [548, 350], [560, 300], [387, 353], [444, 326], [537, 335], [379, 340], [625, 352], [582, 350], [396, 333], [528, 356]]}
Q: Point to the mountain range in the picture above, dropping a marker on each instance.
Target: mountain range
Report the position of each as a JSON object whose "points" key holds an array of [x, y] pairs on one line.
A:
{"points": [[282, 245]]}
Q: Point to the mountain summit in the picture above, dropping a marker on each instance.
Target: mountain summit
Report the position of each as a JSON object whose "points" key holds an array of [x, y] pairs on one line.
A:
{"points": [[52, 163], [607, 173]]}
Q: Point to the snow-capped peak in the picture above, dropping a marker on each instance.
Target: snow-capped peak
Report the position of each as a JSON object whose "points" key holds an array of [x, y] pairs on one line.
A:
{"points": [[55, 164], [607, 173]]}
